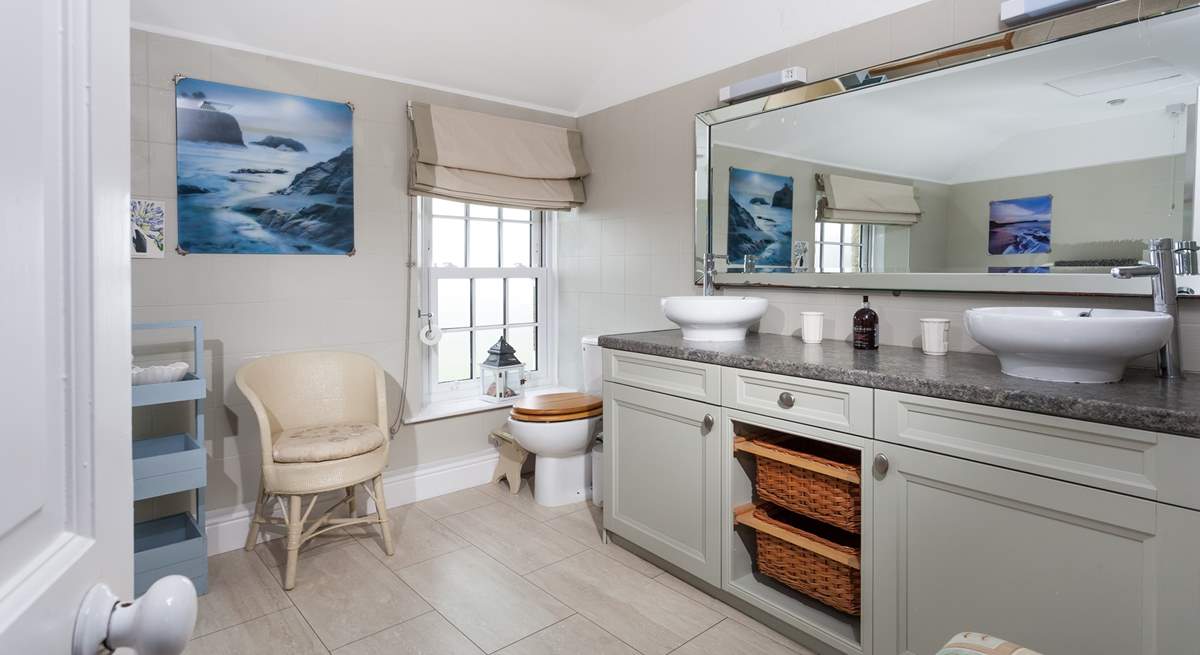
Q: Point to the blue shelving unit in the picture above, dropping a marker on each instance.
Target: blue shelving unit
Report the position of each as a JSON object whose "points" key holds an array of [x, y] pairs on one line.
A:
{"points": [[170, 464]]}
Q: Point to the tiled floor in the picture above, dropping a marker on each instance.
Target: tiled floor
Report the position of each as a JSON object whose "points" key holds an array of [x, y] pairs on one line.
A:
{"points": [[477, 571]]}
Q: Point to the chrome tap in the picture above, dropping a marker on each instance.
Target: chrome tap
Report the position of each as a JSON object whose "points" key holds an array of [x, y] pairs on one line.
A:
{"points": [[1161, 271], [710, 270]]}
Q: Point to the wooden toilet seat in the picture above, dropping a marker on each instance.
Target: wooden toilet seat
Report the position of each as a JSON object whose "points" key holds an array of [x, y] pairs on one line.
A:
{"points": [[557, 407]]}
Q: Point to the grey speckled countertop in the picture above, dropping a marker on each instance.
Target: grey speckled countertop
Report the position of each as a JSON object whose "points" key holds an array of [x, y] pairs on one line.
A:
{"points": [[1140, 401]]}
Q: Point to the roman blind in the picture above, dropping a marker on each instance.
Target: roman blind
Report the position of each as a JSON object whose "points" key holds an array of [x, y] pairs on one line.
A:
{"points": [[475, 157], [855, 200]]}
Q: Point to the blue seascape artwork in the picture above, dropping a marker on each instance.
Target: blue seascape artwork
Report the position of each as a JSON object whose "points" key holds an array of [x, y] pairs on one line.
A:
{"points": [[760, 218], [1019, 226], [262, 172]]}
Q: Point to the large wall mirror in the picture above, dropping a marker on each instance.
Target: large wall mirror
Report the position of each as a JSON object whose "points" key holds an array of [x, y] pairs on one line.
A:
{"points": [[1029, 161]]}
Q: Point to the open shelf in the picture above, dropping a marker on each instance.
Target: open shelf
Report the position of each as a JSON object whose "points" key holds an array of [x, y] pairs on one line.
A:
{"points": [[170, 545], [189, 388], [167, 465]]}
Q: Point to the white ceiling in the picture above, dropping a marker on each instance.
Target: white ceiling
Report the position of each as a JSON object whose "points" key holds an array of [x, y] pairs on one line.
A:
{"points": [[567, 56], [996, 118]]}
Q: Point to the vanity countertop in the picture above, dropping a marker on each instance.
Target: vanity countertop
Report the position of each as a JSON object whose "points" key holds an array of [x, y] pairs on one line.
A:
{"points": [[1141, 400]]}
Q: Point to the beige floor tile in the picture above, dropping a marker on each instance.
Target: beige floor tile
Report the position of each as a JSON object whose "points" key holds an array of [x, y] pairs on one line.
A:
{"points": [[729, 636], [281, 632], [519, 542], [273, 553], [428, 634], [453, 503], [491, 605], [415, 535], [634, 608], [346, 594], [524, 503], [240, 588], [568, 637], [699, 596], [583, 525], [496, 489], [615, 551]]}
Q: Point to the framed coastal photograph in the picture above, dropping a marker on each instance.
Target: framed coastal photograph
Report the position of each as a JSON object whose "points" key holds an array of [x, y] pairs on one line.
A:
{"points": [[262, 172], [1019, 226], [760, 218], [147, 228]]}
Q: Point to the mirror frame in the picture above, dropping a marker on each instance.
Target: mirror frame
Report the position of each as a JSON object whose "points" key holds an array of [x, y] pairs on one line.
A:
{"points": [[1031, 35]]}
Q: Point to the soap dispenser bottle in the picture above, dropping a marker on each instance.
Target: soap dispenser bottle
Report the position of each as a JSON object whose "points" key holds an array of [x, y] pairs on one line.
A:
{"points": [[866, 327]]}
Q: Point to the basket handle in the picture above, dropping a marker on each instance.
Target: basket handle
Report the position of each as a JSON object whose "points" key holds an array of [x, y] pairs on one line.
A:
{"points": [[747, 518], [752, 447]]}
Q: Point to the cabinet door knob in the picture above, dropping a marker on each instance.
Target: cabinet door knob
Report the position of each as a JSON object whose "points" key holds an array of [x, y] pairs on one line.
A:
{"points": [[786, 400], [707, 424], [880, 466]]}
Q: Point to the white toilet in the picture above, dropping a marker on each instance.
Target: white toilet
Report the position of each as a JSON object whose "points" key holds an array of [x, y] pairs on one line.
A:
{"points": [[558, 428]]}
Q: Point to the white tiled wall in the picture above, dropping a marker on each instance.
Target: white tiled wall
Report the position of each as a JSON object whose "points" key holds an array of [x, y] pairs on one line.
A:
{"points": [[253, 305], [641, 187]]}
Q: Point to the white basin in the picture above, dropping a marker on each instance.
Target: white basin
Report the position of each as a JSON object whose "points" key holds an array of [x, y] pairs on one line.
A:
{"points": [[714, 318], [1061, 344]]}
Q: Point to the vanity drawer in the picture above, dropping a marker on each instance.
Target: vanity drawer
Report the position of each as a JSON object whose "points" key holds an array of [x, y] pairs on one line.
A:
{"points": [[1135, 462], [812, 402], [677, 377]]}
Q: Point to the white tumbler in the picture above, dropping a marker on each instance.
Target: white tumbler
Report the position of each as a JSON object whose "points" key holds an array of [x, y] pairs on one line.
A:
{"points": [[935, 336], [810, 326]]}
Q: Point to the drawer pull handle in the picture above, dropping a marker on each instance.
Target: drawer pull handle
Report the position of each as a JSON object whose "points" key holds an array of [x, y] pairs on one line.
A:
{"points": [[880, 466], [787, 400], [708, 423]]}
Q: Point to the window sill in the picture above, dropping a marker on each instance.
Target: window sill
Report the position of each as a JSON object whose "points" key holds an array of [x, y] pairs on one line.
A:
{"points": [[448, 408]]}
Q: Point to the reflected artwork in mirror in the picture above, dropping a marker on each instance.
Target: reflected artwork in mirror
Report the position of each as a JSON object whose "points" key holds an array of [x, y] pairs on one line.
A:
{"points": [[1030, 161]]}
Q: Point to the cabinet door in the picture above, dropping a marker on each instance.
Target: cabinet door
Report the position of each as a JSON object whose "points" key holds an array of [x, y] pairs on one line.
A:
{"points": [[1054, 566], [663, 477]]}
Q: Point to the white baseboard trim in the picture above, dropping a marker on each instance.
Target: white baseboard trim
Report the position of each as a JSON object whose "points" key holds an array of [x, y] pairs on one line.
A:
{"points": [[227, 527]]}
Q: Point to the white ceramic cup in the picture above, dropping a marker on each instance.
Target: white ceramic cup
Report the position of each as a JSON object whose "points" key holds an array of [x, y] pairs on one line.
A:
{"points": [[935, 336], [810, 326]]}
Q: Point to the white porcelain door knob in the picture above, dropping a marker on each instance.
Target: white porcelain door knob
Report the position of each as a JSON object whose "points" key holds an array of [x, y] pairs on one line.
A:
{"points": [[158, 623]]}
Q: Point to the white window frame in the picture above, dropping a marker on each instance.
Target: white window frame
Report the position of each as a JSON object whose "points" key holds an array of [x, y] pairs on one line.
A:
{"points": [[864, 244], [541, 225]]}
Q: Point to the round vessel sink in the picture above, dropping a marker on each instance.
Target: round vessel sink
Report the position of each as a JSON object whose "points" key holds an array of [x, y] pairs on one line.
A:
{"points": [[714, 318], [1067, 344]]}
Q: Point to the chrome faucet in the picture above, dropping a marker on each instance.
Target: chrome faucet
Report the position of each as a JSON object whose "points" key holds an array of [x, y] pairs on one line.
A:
{"points": [[1161, 271], [710, 270]]}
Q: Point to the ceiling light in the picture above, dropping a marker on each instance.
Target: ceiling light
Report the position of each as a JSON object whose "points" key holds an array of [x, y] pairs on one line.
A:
{"points": [[1116, 102]]}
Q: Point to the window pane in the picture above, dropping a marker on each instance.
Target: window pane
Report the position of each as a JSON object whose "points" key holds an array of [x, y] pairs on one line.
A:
{"points": [[453, 303], [524, 341], [448, 208], [516, 244], [833, 232], [850, 258], [449, 245], [484, 339], [484, 211], [485, 244], [454, 356], [522, 300], [511, 214], [829, 258], [853, 233], [489, 301]]}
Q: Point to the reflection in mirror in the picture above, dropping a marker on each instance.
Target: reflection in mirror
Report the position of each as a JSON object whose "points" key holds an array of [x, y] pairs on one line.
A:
{"points": [[1062, 158]]}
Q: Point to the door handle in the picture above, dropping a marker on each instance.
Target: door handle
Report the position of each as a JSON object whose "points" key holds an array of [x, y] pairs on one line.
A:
{"points": [[880, 466], [158, 623], [707, 424]]}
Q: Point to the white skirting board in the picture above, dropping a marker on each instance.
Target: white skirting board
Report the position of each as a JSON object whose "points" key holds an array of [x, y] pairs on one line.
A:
{"points": [[227, 527]]}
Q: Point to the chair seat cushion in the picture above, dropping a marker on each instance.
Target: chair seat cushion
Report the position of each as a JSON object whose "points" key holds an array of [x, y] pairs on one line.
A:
{"points": [[323, 443]]}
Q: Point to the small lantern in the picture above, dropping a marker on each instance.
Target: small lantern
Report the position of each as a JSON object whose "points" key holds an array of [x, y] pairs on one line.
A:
{"points": [[501, 375]]}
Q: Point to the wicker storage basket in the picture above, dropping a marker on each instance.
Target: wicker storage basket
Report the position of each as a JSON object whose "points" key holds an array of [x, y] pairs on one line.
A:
{"points": [[818, 563], [821, 481]]}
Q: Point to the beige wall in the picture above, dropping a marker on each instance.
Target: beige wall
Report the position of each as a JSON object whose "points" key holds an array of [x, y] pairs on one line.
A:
{"points": [[253, 305], [632, 242]]}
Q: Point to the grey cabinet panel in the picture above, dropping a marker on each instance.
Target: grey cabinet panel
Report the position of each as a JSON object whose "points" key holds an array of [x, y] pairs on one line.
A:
{"points": [[672, 376], [663, 474], [1058, 567], [813, 402]]}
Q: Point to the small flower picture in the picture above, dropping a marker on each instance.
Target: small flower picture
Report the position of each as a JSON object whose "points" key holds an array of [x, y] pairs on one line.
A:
{"points": [[147, 219]]}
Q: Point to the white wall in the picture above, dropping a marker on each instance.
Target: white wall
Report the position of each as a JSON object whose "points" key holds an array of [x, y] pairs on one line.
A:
{"points": [[254, 305], [632, 242]]}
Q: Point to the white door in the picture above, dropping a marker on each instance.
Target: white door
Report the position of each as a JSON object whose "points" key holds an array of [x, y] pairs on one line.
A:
{"points": [[66, 518]]}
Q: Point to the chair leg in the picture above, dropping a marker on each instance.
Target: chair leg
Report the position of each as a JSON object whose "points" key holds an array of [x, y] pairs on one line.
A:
{"points": [[257, 519], [353, 504], [294, 530], [381, 509]]}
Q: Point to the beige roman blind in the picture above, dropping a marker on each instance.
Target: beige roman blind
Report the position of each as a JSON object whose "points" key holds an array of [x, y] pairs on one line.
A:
{"points": [[475, 157], [855, 200]]}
